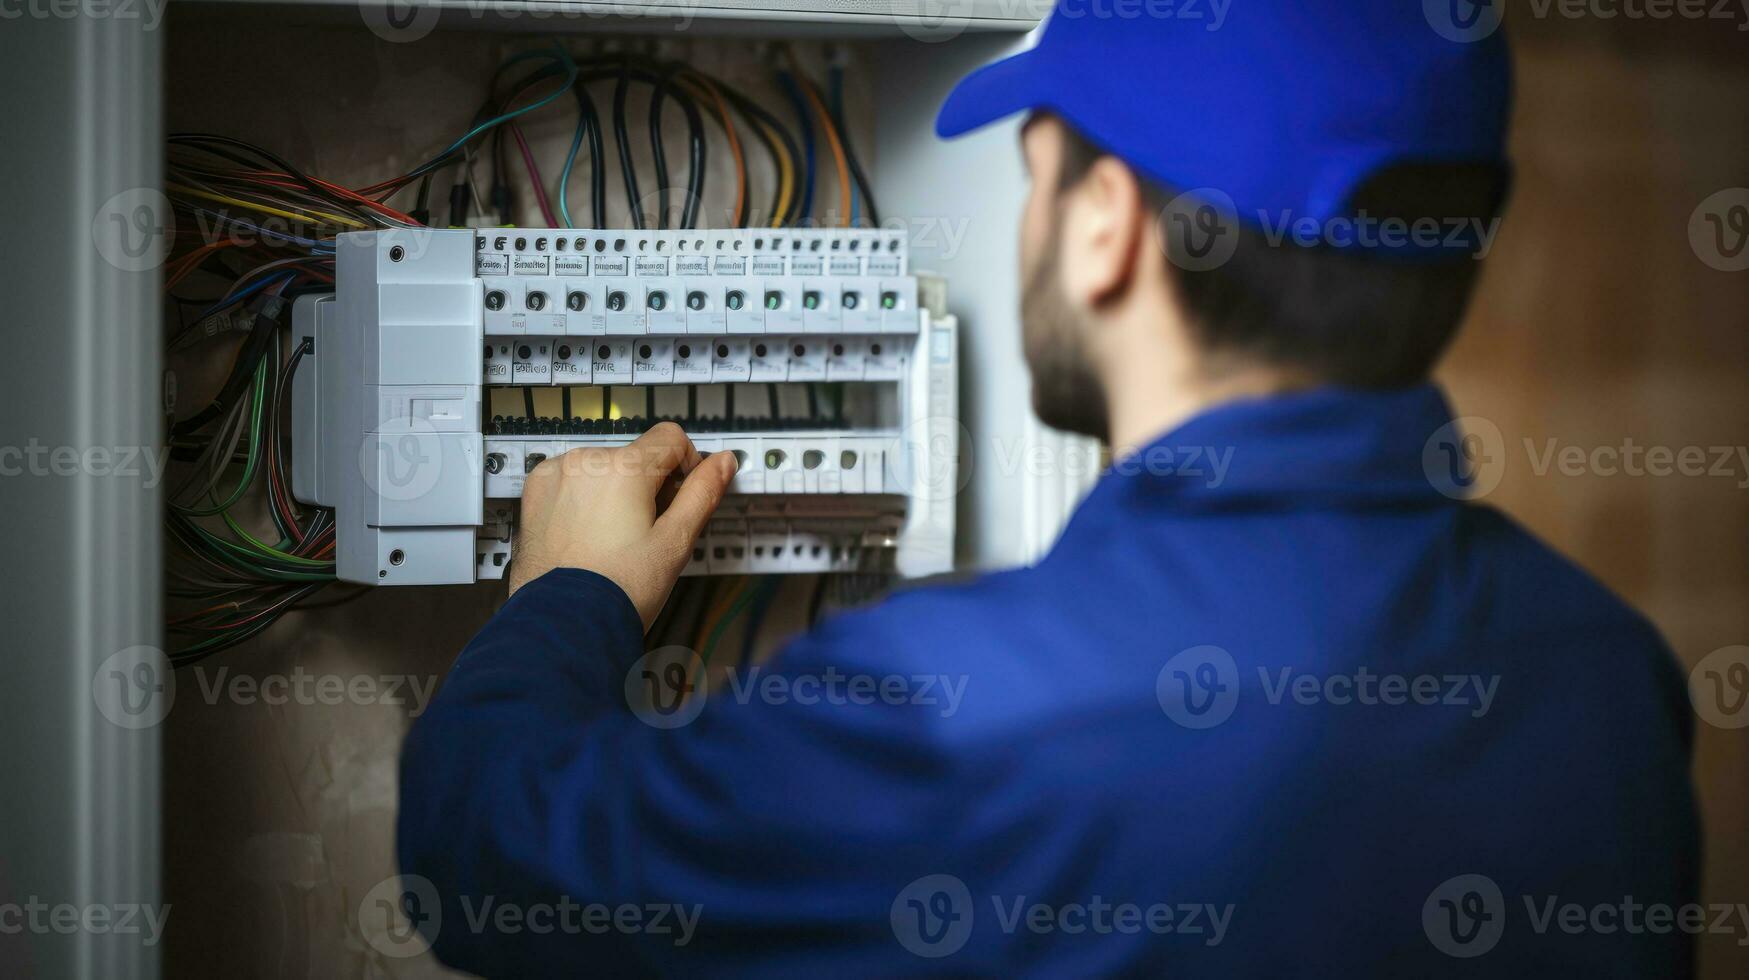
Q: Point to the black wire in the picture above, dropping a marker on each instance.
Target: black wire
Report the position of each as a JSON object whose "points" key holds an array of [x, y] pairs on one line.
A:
{"points": [[625, 146], [657, 97], [597, 165], [856, 171], [528, 400]]}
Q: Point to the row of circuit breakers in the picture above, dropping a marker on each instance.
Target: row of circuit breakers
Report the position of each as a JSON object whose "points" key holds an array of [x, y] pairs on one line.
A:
{"points": [[393, 407]]}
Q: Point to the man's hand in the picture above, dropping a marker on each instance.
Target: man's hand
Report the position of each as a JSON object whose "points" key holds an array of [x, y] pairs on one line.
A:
{"points": [[631, 514]]}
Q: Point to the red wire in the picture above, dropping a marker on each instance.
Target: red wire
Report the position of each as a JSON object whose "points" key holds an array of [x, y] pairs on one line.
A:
{"points": [[540, 193]]}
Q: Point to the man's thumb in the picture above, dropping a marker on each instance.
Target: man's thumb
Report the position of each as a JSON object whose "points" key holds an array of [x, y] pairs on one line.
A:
{"points": [[698, 498]]}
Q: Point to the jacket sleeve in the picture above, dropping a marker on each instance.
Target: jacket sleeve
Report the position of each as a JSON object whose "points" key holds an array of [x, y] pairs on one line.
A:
{"points": [[771, 833]]}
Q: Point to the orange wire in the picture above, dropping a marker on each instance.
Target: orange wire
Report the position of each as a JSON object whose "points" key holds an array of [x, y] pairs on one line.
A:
{"points": [[813, 95], [191, 261]]}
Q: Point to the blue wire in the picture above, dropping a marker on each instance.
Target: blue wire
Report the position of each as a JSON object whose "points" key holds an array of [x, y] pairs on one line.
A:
{"points": [[836, 75], [561, 60], [237, 297], [801, 106]]}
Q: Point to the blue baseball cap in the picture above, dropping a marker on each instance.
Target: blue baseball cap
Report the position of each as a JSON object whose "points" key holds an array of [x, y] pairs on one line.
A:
{"points": [[1284, 106]]}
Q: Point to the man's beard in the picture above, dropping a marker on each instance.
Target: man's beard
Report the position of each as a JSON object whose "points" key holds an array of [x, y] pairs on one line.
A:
{"points": [[1066, 392]]}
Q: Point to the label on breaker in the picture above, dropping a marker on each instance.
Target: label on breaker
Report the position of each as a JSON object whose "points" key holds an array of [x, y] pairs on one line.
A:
{"points": [[571, 265], [692, 265], [729, 265], [491, 264], [768, 265], [647, 266], [806, 265], [845, 265], [884, 265], [530, 265], [612, 265]]}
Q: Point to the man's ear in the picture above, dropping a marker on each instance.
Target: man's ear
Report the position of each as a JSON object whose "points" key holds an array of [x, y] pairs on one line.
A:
{"points": [[1104, 232]]}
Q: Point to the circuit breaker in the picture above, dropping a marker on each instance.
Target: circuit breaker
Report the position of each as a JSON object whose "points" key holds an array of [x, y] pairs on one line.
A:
{"points": [[810, 355]]}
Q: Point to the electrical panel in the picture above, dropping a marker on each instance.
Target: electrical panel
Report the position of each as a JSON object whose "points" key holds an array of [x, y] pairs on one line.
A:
{"points": [[809, 354]]}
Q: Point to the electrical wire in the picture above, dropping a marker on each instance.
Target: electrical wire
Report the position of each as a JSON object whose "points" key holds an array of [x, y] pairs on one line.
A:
{"points": [[812, 96]]}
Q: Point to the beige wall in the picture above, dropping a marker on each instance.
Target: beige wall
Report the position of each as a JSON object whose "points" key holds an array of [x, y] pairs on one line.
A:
{"points": [[1597, 323]]}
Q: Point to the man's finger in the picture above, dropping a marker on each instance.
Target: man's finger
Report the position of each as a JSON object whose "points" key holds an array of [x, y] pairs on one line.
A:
{"points": [[659, 453], [697, 499]]}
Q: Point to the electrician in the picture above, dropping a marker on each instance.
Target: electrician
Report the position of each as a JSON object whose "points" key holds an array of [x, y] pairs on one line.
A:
{"points": [[1316, 715]]}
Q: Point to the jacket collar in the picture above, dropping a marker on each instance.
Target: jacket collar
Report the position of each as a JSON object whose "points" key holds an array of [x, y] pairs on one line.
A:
{"points": [[1327, 447]]}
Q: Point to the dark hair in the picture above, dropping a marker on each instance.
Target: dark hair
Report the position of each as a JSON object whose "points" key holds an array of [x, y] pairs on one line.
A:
{"points": [[1355, 319]]}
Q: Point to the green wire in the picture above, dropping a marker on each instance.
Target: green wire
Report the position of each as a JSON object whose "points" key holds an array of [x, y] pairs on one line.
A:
{"points": [[270, 551], [255, 421], [742, 601]]}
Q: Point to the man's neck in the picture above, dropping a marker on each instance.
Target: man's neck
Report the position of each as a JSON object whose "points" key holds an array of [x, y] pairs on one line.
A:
{"points": [[1143, 409]]}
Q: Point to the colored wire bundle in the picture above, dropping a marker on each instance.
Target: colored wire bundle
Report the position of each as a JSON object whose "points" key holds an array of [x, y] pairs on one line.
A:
{"points": [[254, 232]]}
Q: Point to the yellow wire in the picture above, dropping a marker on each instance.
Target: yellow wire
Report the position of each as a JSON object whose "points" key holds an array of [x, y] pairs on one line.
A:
{"points": [[265, 209], [785, 173]]}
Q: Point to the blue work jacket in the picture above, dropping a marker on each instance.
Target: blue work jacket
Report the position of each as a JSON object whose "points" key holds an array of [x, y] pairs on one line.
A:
{"points": [[1276, 704]]}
